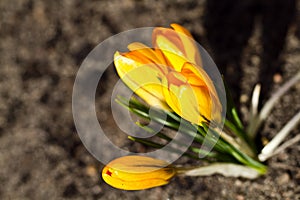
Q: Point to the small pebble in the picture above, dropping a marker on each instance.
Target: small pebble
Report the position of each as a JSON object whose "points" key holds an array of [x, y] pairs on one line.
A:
{"points": [[240, 197], [238, 183], [255, 60], [244, 98], [283, 156], [283, 179], [277, 78], [96, 189], [91, 171], [297, 176]]}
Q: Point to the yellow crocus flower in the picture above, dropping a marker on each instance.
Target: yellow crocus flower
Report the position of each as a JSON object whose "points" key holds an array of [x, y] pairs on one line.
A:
{"points": [[170, 75], [137, 173]]}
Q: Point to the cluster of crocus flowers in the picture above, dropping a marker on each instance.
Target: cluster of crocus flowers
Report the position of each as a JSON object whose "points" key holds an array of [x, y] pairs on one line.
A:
{"points": [[137, 172], [170, 76]]}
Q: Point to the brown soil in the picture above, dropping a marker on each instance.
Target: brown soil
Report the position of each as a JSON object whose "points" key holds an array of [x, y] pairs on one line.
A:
{"points": [[42, 44]]}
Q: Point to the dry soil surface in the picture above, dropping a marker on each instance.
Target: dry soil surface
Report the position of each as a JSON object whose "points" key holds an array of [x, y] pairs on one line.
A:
{"points": [[42, 44]]}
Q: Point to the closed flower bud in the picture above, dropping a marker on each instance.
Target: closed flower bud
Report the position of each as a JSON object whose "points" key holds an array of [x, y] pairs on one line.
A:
{"points": [[137, 173]]}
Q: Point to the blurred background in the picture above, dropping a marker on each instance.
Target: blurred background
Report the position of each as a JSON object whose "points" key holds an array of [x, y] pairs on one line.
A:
{"points": [[42, 44]]}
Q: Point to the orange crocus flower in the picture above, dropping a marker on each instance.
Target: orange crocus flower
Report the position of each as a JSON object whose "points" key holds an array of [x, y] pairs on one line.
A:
{"points": [[170, 76]]}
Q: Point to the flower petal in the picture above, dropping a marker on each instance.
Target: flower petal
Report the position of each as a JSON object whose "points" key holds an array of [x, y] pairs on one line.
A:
{"points": [[190, 46], [193, 103], [182, 98], [170, 50], [181, 29], [143, 79], [144, 51], [179, 42]]}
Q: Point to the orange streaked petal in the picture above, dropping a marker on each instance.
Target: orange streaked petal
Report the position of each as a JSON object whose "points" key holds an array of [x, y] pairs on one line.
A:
{"points": [[174, 55], [181, 29], [193, 103], [181, 98], [190, 46], [169, 34], [146, 51], [178, 41], [204, 101], [197, 76]]}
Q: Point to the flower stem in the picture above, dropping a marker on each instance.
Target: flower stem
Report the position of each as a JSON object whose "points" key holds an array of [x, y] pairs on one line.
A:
{"points": [[225, 169], [257, 120], [269, 149], [159, 146]]}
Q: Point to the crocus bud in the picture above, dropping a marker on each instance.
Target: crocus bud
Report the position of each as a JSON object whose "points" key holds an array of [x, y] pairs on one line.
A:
{"points": [[137, 173]]}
